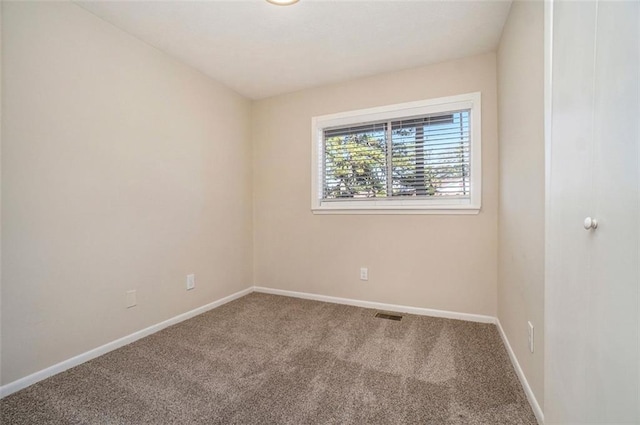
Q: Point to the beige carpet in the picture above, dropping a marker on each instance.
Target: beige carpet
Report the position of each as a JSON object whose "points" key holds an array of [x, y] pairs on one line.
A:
{"points": [[276, 360]]}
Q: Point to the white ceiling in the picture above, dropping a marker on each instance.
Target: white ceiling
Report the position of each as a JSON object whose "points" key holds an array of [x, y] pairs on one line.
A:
{"points": [[261, 50]]}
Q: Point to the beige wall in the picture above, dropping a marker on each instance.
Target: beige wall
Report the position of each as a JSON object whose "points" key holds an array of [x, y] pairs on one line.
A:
{"points": [[522, 196], [121, 169], [433, 261]]}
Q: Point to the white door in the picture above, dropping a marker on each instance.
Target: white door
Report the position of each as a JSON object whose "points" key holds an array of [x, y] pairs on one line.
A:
{"points": [[592, 371]]}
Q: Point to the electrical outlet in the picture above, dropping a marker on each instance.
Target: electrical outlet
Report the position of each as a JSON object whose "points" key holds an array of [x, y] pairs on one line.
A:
{"points": [[130, 299], [191, 281], [530, 336], [364, 273]]}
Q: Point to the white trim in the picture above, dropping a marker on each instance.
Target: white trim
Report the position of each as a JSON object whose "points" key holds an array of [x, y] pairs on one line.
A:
{"points": [[471, 101], [548, 102], [537, 411], [400, 110], [21, 383], [379, 306], [396, 211]]}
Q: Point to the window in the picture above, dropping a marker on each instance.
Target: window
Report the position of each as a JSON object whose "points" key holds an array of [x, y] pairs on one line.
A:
{"points": [[417, 157]]}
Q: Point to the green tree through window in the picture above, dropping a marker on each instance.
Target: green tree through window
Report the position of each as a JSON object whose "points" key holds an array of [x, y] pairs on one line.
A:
{"points": [[422, 157], [355, 164]]}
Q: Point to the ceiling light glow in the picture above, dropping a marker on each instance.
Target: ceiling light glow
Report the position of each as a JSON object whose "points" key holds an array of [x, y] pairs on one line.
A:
{"points": [[283, 2]]}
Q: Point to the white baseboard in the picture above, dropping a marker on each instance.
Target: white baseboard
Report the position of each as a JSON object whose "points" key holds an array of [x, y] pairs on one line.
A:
{"points": [[424, 312], [21, 383], [523, 380], [380, 306]]}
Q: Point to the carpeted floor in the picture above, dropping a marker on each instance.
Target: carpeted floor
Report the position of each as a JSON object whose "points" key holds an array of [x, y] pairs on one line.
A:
{"points": [[266, 359]]}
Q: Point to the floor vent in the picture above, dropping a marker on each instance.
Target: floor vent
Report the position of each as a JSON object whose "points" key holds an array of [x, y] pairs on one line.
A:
{"points": [[389, 316]]}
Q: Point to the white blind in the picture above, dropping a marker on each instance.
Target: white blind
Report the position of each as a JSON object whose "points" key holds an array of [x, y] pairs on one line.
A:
{"points": [[419, 157]]}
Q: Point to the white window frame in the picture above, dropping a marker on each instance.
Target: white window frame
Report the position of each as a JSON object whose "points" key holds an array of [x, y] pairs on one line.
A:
{"points": [[470, 101]]}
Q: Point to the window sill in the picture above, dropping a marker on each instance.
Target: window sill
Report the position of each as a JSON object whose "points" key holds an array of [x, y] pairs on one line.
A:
{"points": [[449, 210]]}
